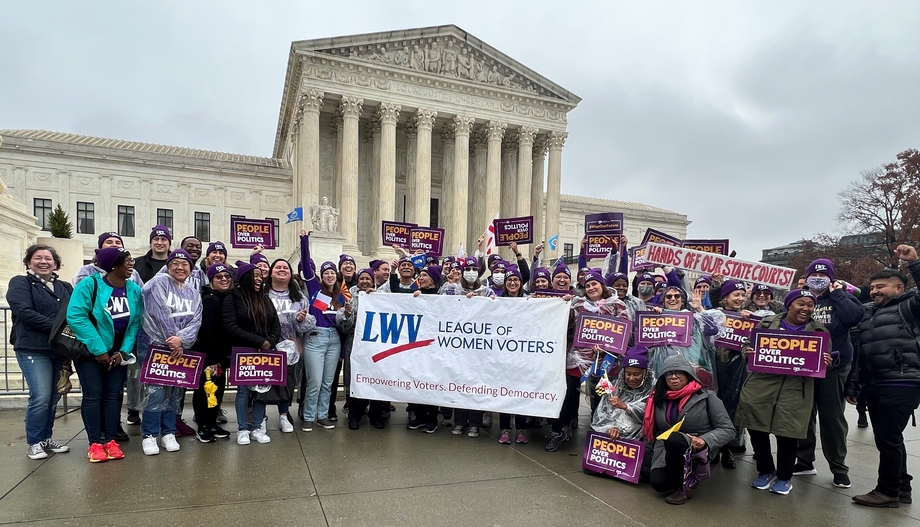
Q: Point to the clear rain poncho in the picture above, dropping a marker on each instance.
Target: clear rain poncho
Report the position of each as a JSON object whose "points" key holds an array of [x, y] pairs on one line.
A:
{"points": [[170, 309], [628, 421], [700, 353]]}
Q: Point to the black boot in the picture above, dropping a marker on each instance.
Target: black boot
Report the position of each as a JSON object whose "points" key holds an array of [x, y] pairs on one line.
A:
{"points": [[728, 459]]}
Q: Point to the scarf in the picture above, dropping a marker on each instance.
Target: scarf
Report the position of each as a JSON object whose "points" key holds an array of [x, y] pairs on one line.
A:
{"points": [[683, 395]]}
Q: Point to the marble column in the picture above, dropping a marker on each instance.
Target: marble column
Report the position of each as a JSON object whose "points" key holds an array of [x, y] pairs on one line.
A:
{"points": [[479, 219], [291, 237], [338, 125], [524, 175], [495, 131], [310, 104], [411, 132], [554, 187], [387, 114], [459, 201], [372, 136], [350, 108], [538, 170], [509, 174], [447, 175], [418, 199]]}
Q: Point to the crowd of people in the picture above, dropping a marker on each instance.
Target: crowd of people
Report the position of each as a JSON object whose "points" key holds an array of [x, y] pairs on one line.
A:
{"points": [[694, 406]]}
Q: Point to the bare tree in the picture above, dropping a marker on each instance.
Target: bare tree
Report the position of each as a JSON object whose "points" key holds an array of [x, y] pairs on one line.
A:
{"points": [[885, 204]]}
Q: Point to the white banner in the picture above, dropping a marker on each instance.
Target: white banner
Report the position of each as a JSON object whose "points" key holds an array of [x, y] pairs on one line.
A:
{"points": [[708, 263], [503, 355]]}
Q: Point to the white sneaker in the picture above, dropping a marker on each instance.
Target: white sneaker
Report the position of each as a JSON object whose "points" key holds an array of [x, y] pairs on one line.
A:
{"points": [[37, 451], [170, 443], [286, 425], [151, 448], [261, 436], [264, 426], [242, 437]]}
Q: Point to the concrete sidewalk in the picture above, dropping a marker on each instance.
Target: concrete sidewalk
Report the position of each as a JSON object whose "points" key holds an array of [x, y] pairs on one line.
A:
{"points": [[398, 477]]}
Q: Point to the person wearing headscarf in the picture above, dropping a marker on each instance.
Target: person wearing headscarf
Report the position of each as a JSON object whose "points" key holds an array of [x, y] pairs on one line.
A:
{"points": [[172, 318], [777, 404], [838, 311], [105, 313], [685, 424]]}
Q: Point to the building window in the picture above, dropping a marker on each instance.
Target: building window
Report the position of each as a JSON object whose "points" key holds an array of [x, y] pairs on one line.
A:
{"points": [[277, 223], [86, 218], [126, 221], [568, 251], [203, 226], [433, 218], [165, 217], [41, 209]]}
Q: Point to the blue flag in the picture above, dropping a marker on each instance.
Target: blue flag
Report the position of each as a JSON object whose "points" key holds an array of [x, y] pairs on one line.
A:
{"points": [[418, 260], [552, 242], [295, 215]]}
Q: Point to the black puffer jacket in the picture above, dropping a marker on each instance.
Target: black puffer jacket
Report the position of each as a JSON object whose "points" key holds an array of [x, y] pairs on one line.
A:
{"points": [[889, 352], [213, 340], [147, 266], [240, 328]]}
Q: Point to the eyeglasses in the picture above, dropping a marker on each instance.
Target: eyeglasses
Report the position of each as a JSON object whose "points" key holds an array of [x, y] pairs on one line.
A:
{"points": [[762, 293], [673, 374], [672, 297]]}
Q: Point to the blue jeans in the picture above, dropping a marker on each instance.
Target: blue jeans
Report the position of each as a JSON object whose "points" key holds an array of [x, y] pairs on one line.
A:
{"points": [[321, 351], [242, 408], [160, 407], [102, 393], [42, 369]]}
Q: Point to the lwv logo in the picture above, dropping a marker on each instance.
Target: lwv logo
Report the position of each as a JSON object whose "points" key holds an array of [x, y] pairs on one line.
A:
{"points": [[388, 328]]}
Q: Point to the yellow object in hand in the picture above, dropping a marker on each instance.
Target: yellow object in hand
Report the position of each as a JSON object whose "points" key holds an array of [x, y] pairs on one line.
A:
{"points": [[210, 389], [667, 433]]}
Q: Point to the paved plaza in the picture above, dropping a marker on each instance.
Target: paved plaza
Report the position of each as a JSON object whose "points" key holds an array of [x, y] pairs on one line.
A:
{"points": [[397, 477]]}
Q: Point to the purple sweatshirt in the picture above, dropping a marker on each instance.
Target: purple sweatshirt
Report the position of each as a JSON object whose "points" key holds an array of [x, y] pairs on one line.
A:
{"points": [[324, 319]]}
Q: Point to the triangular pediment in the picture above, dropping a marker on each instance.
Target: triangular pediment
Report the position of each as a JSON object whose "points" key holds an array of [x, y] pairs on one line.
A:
{"points": [[444, 51]]}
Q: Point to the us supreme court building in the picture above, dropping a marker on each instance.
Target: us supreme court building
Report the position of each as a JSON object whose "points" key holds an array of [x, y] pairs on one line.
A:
{"points": [[430, 126]]}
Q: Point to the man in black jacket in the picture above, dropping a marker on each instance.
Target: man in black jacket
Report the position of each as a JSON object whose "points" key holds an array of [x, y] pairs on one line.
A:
{"points": [[150, 264], [888, 368]]}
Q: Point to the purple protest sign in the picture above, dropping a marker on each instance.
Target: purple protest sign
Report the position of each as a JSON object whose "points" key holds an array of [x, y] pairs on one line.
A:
{"points": [[431, 241], [637, 262], [737, 330], [517, 230], [396, 233], [707, 246], [249, 366], [610, 333], [249, 234], [654, 236], [799, 353], [663, 329], [599, 245], [161, 370], [604, 223], [621, 458]]}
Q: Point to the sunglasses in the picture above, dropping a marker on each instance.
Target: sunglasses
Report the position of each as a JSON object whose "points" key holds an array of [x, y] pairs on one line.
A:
{"points": [[672, 297]]}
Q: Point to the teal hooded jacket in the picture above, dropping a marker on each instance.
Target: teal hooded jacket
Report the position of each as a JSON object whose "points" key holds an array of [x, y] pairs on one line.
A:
{"points": [[100, 338]]}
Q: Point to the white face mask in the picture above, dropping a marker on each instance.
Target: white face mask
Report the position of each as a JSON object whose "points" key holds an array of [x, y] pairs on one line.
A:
{"points": [[470, 276], [498, 279]]}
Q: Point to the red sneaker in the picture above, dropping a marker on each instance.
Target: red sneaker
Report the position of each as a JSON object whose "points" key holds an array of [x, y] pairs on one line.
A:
{"points": [[96, 453], [113, 451]]}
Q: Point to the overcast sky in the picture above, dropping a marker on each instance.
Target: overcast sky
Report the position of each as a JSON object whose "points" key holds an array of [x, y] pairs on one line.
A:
{"points": [[748, 117]]}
